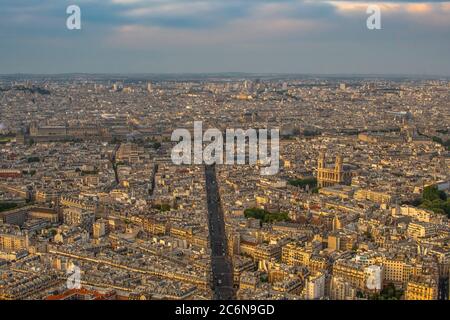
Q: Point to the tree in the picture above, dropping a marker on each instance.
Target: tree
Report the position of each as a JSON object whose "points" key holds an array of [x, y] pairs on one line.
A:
{"points": [[266, 216], [432, 193], [435, 200], [7, 206], [311, 182], [33, 159]]}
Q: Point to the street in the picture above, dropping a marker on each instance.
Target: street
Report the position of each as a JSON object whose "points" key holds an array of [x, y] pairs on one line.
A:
{"points": [[221, 263]]}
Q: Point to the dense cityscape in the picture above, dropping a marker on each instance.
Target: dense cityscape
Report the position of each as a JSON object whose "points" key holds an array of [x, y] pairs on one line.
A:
{"points": [[93, 207]]}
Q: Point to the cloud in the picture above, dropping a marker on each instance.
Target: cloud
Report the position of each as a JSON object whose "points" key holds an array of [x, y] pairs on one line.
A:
{"points": [[354, 7], [189, 13], [221, 34]]}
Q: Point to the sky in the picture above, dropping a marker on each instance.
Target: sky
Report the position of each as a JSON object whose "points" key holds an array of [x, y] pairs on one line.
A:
{"points": [[198, 36]]}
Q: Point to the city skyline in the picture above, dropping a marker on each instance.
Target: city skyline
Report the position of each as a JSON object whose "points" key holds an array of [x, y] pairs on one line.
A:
{"points": [[94, 205], [225, 157]]}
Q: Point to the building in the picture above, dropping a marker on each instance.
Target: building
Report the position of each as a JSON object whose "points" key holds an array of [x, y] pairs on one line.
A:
{"points": [[351, 272], [48, 214], [341, 289], [83, 294], [10, 173], [130, 153], [260, 251], [334, 242], [422, 215], [20, 191], [421, 230], [248, 280], [318, 264], [155, 226], [397, 270], [315, 287], [47, 196], [78, 217], [295, 255], [21, 286], [374, 274], [374, 196], [338, 191], [15, 216], [65, 133], [13, 242], [240, 266], [331, 175], [76, 203], [421, 288], [99, 228]]}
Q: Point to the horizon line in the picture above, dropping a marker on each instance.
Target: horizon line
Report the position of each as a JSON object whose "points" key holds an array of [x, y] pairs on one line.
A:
{"points": [[227, 73]]}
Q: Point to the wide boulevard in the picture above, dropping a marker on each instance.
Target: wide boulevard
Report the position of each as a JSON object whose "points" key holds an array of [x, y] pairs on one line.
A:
{"points": [[221, 263]]}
